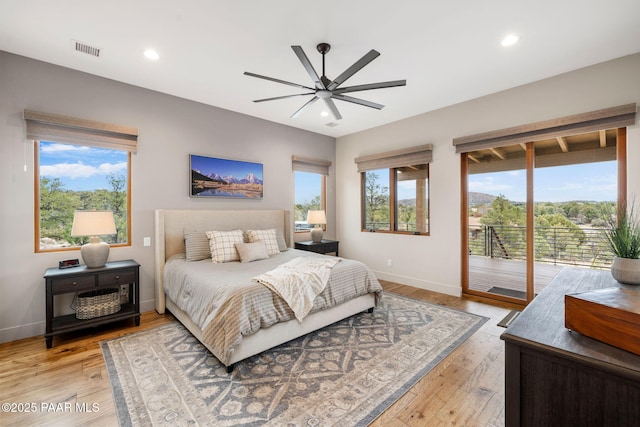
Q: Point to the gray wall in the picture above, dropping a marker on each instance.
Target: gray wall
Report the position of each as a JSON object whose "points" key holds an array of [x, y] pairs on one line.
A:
{"points": [[169, 129], [433, 262]]}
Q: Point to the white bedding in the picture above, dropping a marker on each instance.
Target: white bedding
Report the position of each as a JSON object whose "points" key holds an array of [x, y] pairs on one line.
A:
{"points": [[226, 304]]}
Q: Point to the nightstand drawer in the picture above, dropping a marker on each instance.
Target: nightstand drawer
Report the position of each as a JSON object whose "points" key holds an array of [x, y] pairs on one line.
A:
{"points": [[70, 284], [123, 277]]}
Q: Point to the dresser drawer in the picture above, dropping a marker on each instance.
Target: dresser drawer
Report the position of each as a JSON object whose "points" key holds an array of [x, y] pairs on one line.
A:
{"points": [[122, 277], [70, 284]]}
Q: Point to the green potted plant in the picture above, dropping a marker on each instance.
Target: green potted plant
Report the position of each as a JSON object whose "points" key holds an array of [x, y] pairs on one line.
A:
{"points": [[623, 236]]}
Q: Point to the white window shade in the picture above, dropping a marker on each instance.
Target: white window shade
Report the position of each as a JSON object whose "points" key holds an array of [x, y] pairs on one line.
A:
{"points": [[71, 130], [419, 155], [305, 164]]}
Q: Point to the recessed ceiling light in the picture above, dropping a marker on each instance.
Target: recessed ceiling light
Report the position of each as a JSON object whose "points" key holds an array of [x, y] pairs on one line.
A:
{"points": [[151, 54], [324, 114], [510, 40]]}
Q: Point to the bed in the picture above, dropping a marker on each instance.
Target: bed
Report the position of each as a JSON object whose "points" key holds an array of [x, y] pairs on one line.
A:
{"points": [[352, 288]]}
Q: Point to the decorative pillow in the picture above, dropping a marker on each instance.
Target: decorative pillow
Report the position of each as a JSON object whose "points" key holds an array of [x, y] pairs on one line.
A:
{"points": [[252, 251], [268, 237], [196, 245], [282, 244], [223, 245]]}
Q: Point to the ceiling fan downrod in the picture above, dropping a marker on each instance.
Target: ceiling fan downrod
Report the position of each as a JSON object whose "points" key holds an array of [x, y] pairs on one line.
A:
{"points": [[323, 48]]}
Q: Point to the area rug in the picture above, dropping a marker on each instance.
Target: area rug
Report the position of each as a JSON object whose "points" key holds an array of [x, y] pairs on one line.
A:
{"points": [[346, 374]]}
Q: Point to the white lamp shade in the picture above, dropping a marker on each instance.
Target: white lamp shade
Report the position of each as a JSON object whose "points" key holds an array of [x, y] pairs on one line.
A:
{"points": [[93, 223], [316, 217]]}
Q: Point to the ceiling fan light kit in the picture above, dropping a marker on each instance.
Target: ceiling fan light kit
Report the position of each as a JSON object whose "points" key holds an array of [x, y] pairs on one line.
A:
{"points": [[327, 90]]}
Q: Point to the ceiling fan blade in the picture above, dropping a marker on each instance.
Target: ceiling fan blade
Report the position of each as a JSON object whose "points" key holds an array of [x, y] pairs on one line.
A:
{"points": [[304, 107], [283, 97], [358, 101], [370, 86], [246, 73], [332, 107], [370, 56], [307, 66]]}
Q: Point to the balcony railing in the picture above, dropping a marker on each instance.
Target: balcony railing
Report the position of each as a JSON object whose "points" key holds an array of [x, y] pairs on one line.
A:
{"points": [[583, 247]]}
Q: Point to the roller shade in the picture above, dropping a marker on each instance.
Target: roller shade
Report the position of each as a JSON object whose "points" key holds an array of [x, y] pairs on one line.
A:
{"points": [[419, 155], [608, 118], [71, 130], [304, 164]]}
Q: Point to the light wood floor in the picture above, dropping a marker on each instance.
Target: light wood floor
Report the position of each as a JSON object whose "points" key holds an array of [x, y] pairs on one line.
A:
{"points": [[465, 389]]}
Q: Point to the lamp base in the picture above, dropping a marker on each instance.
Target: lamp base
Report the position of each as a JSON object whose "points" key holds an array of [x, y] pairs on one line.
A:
{"points": [[95, 253], [316, 234]]}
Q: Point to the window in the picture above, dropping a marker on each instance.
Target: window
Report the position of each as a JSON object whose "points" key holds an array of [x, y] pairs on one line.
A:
{"points": [[76, 177], [396, 199], [309, 195], [310, 184], [395, 191], [79, 165]]}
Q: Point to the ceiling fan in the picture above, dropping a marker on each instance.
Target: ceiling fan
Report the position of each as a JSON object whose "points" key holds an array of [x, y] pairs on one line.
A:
{"points": [[328, 90]]}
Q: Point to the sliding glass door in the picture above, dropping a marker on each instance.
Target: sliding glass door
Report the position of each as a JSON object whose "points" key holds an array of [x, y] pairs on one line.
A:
{"points": [[535, 208]]}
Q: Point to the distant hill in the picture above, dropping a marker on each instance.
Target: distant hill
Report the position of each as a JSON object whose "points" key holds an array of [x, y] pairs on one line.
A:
{"points": [[476, 199]]}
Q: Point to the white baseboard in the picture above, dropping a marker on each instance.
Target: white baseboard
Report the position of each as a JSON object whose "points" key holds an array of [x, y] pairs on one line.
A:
{"points": [[22, 331], [442, 288]]}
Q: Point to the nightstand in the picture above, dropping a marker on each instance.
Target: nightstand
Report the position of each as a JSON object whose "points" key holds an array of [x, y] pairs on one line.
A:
{"points": [[322, 247], [83, 279]]}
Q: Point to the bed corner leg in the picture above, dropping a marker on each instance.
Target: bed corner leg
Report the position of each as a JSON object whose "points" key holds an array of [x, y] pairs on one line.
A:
{"points": [[230, 368]]}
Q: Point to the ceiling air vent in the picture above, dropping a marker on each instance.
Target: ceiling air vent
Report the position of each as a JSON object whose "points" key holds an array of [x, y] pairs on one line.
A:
{"points": [[331, 124], [85, 48]]}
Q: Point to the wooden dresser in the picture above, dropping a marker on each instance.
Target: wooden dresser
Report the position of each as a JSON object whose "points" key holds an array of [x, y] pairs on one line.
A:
{"points": [[557, 377]]}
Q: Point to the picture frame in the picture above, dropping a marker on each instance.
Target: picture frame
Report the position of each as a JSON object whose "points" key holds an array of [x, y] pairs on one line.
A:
{"points": [[217, 177]]}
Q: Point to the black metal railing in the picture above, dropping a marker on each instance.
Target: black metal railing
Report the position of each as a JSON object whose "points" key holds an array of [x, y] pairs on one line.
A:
{"points": [[584, 247]]}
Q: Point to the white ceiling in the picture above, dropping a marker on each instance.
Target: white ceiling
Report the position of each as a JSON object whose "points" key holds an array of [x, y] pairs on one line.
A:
{"points": [[448, 51]]}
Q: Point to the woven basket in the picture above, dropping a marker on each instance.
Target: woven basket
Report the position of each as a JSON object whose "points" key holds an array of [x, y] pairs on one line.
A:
{"points": [[97, 303]]}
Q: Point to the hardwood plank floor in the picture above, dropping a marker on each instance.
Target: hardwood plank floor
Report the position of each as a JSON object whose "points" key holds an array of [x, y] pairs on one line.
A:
{"points": [[465, 389]]}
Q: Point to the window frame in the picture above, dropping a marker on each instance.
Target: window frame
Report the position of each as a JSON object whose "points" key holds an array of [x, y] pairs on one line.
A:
{"points": [[323, 197], [393, 204], [36, 201]]}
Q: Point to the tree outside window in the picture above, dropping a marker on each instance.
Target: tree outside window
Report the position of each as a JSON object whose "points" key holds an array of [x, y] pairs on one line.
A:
{"points": [[77, 177]]}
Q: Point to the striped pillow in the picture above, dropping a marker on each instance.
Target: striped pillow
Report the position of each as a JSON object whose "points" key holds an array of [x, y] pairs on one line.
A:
{"points": [[223, 245], [268, 237], [196, 245]]}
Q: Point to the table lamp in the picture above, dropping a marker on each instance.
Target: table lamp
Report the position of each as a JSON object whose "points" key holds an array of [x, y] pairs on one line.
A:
{"points": [[318, 219], [94, 224]]}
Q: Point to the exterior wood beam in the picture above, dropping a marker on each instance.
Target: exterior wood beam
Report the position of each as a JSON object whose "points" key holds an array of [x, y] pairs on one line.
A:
{"points": [[603, 139], [563, 144], [498, 153]]}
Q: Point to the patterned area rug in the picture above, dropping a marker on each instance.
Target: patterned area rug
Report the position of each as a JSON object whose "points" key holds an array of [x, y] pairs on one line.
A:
{"points": [[346, 374]]}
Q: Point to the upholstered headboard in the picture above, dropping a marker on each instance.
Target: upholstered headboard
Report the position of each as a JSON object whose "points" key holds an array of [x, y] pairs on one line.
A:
{"points": [[170, 226]]}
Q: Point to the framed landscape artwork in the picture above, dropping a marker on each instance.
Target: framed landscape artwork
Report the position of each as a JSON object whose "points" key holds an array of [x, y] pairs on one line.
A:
{"points": [[214, 177]]}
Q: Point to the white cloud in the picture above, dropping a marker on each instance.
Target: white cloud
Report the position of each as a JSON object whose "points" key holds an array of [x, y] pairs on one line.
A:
{"points": [[80, 170]]}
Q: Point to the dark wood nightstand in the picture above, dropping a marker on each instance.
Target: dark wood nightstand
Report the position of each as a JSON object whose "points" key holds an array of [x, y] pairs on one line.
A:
{"points": [[323, 247], [82, 279]]}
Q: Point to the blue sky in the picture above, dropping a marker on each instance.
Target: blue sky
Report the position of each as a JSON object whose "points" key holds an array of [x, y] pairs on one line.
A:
{"points": [[589, 182], [308, 185], [79, 167]]}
